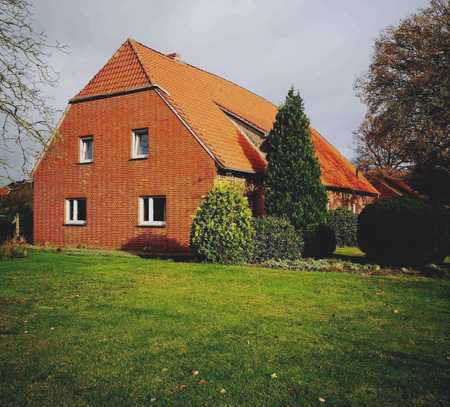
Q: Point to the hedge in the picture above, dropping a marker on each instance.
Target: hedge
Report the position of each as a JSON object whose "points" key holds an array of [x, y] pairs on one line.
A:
{"points": [[345, 225], [320, 241], [404, 231], [276, 239]]}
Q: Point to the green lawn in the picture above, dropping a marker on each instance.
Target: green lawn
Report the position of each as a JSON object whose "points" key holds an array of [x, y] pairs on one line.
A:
{"points": [[108, 329]]}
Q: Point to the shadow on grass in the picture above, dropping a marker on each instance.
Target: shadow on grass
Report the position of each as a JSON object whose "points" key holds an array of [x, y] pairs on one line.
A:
{"points": [[151, 245], [356, 256]]}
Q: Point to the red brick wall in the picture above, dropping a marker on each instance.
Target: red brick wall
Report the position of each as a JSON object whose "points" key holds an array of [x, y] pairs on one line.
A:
{"points": [[177, 167], [352, 201]]}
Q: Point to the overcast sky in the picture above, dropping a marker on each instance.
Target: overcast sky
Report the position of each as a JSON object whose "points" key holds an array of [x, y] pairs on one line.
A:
{"points": [[319, 46]]}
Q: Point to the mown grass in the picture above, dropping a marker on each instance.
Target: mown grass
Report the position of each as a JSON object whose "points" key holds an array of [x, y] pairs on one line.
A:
{"points": [[88, 328]]}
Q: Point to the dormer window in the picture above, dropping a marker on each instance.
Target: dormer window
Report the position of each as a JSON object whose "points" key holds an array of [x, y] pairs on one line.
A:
{"points": [[139, 144], [86, 149]]}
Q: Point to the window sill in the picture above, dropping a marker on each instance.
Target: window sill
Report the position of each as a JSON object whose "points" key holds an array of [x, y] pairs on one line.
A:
{"points": [[138, 158], [85, 162], [75, 224], [151, 225]]}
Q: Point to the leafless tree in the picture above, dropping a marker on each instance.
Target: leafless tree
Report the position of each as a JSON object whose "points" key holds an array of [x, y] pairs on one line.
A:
{"points": [[378, 144], [26, 116]]}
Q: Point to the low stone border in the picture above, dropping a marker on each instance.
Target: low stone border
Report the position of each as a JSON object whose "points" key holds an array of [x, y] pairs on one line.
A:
{"points": [[335, 265]]}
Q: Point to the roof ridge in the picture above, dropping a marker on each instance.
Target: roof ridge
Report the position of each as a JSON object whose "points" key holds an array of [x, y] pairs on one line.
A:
{"points": [[131, 41], [155, 50], [205, 71]]}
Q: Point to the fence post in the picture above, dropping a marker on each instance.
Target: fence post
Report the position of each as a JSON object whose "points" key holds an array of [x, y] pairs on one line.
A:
{"points": [[17, 222]]}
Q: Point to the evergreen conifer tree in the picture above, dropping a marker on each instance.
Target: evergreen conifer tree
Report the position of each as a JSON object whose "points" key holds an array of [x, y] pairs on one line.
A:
{"points": [[292, 184]]}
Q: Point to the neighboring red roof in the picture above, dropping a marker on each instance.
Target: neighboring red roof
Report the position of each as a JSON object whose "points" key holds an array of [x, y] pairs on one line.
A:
{"points": [[3, 191], [390, 185], [199, 97]]}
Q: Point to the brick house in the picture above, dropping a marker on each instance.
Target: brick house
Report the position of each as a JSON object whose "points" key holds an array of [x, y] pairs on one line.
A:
{"points": [[145, 140]]}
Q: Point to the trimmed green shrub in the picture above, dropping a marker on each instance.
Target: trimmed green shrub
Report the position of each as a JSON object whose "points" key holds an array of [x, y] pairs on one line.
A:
{"points": [[12, 249], [345, 225], [276, 238], [222, 229], [320, 241], [403, 231]]}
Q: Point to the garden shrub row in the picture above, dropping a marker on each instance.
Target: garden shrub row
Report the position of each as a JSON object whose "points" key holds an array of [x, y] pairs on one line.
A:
{"points": [[223, 231], [398, 231]]}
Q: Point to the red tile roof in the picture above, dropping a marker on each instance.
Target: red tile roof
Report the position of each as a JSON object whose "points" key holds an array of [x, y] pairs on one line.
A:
{"points": [[3, 191], [392, 184], [199, 97], [123, 71]]}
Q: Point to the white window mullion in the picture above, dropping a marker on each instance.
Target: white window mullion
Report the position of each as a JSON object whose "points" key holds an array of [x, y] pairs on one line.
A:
{"points": [[75, 210], [150, 209], [67, 211], [141, 210]]}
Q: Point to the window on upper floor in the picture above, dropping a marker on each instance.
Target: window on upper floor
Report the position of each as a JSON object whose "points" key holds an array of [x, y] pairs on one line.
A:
{"points": [[139, 143], [76, 213], [152, 211], [86, 149]]}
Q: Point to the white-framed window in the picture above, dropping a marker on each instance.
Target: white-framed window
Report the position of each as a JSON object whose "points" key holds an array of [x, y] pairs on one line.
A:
{"points": [[152, 210], [86, 149], [139, 143], [76, 213]]}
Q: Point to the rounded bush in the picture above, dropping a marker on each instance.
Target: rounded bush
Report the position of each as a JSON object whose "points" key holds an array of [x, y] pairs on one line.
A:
{"points": [[403, 231], [222, 229], [276, 239], [345, 225], [320, 241]]}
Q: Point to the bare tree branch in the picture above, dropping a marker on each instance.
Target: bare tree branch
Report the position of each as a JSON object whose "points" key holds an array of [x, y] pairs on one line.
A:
{"points": [[26, 116]]}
